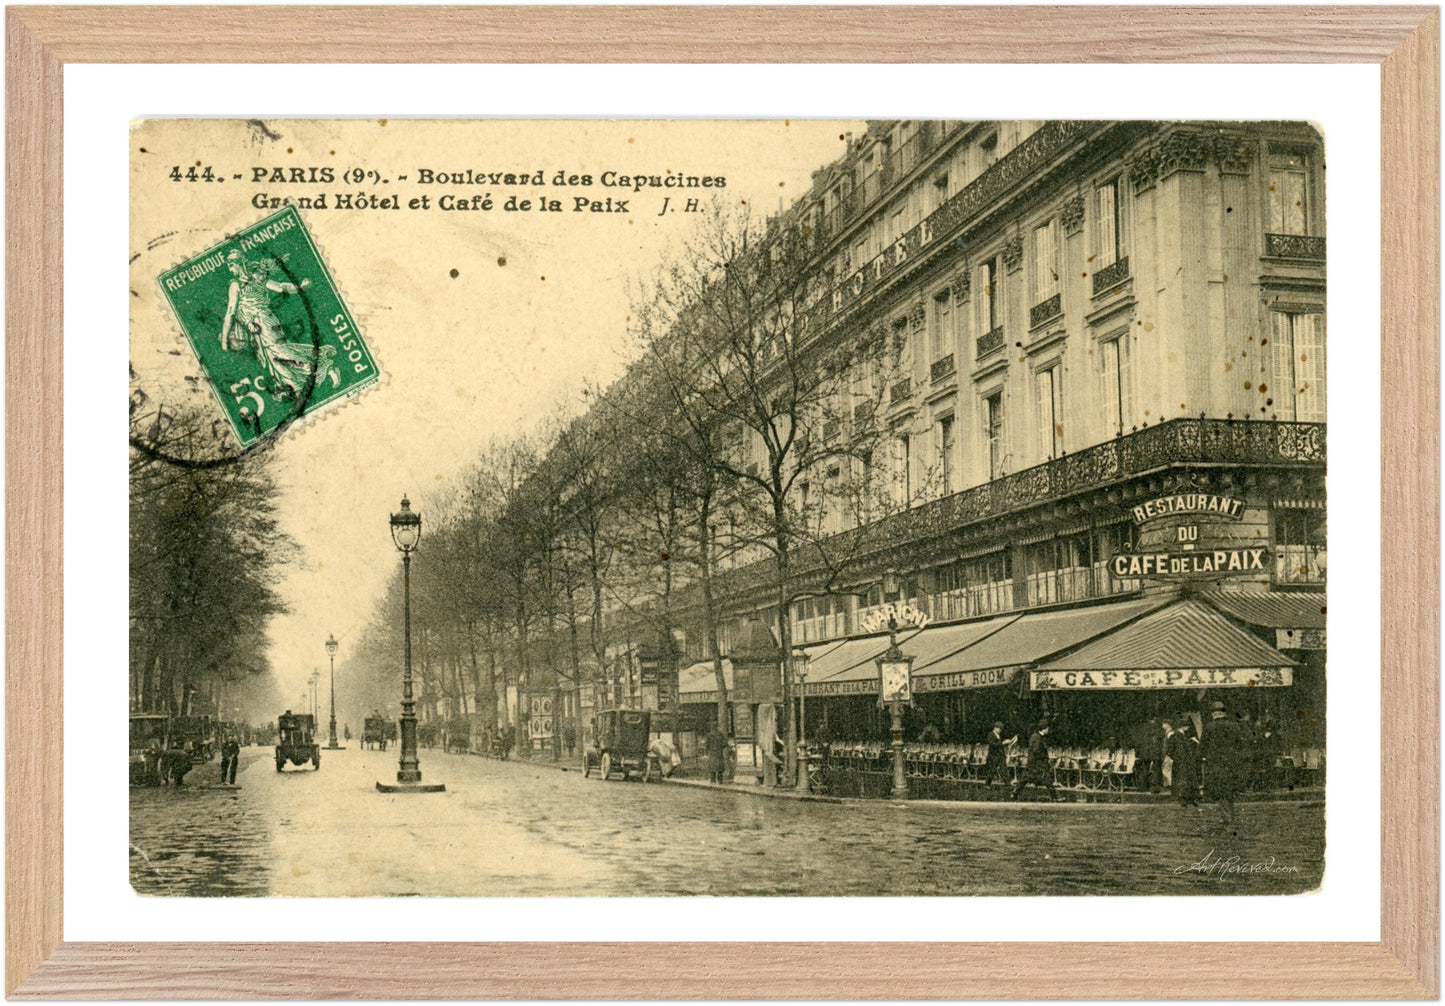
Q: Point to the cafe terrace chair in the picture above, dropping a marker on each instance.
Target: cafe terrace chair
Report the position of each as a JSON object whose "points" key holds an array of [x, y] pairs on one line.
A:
{"points": [[1121, 771], [1095, 775]]}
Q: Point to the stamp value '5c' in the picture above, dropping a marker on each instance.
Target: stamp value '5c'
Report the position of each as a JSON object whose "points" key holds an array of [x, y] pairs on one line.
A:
{"points": [[268, 325]]}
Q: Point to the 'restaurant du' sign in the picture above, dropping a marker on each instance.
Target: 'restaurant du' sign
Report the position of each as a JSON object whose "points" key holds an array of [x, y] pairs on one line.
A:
{"points": [[1196, 555]]}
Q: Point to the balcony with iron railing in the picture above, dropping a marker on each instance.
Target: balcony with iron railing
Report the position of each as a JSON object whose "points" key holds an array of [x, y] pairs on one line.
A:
{"points": [[1046, 311], [1111, 275], [1178, 441], [989, 343], [1295, 246], [942, 369]]}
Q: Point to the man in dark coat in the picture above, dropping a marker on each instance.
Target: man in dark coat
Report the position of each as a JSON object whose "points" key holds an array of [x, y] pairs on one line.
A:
{"points": [[996, 767], [1183, 749], [230, 755], [1226, 750], [1147, 740], [716, 755], [1038, 772]]}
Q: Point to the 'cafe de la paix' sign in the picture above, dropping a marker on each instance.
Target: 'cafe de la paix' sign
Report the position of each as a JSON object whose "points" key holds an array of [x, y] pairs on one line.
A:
{"points": [[1179, 510]]}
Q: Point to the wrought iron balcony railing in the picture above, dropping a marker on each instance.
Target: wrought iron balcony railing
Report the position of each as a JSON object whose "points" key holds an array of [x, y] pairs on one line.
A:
{"points": [[1301, 246], [1045, 311], [1178, 441], [1111, 275], [990, 342], [942, 368], [900, 391]]}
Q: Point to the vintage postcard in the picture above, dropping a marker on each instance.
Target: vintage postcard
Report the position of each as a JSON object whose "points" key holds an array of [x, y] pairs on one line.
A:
{"points": [[686, 507]]}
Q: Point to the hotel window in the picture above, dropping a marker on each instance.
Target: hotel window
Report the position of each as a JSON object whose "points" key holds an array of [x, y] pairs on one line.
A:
{"points": [[1299, 367], [1046, 262], [1299, 546], [943, 437], [1049, 399], [1118, 384], [993, 433], [902, 480], [942, 334], [833, 502], [1108, 225], [989, 296], [1289, 195]]}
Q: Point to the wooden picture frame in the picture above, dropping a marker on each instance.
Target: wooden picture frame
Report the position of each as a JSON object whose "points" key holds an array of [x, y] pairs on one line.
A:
{"points": [[1404, 41]]}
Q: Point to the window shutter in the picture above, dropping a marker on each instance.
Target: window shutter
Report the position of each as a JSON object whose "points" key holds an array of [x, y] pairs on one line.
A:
{"points": [[1284, 375], [1108, 248]]}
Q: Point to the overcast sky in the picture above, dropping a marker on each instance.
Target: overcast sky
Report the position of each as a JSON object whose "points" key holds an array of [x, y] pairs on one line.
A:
{"points": [[538, 305]]}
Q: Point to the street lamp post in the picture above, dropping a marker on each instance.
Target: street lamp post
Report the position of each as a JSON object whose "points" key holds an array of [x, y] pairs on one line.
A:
{"points": [[895, 689], [800, 663], [313, 681], [405, 533], [331, 647]]}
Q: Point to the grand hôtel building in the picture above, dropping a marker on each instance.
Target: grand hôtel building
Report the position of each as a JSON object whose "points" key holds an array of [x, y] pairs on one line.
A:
{"points": [[1107, 433]]}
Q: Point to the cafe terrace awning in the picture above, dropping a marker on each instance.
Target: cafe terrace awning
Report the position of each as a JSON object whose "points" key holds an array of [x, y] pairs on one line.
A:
{"points": [[851, 668], [1024, 641], [1270, 610], [1298, 620], [1185, 645]]}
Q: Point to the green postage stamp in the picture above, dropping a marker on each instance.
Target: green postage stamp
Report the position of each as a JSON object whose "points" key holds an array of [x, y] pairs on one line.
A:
{"points": [[267, 323]]}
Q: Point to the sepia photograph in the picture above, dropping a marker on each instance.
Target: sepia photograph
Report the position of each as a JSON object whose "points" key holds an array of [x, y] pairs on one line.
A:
{"points": [[726, 507]]}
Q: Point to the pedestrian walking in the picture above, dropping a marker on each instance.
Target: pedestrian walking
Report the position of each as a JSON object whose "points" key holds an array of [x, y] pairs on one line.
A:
{"points": [[996, 766], [716, 755], [1038, 772], [1183, 748], [569, 737], [1225, 748]]}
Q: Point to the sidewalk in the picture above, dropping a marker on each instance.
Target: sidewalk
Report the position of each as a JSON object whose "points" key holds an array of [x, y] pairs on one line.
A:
{"points": [[1033, 797]]}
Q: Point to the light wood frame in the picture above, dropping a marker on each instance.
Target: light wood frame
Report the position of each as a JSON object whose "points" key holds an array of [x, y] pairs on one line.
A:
{"points": [[40, 41]]}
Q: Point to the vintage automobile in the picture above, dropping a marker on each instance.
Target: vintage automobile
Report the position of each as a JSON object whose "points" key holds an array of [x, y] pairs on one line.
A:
{"points": [[623, 736], [296, 740], [155, 757], [376, 731]]}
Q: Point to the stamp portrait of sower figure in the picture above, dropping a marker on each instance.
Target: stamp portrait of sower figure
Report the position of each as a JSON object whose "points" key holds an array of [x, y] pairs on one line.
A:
{"points": [[251, 324], [268, 325]]}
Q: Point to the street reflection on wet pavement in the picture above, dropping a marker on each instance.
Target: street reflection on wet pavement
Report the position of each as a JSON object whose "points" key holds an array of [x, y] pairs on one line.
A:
{"points": [[516, 829]]}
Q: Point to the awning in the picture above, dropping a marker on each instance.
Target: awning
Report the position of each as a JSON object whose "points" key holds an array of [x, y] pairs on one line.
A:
{"points": [[1027, 639], [1185, 645], [1270, 610], [847, 667], [697, 683]]}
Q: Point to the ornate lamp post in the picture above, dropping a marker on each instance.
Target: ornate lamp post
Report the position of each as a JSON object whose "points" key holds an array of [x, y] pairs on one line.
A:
{"points": [[895, 689], [331, 647], [405, 533], [800, 667]]}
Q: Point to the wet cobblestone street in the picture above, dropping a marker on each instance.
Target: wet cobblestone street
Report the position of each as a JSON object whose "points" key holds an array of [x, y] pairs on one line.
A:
{"points": [[513, 829]]}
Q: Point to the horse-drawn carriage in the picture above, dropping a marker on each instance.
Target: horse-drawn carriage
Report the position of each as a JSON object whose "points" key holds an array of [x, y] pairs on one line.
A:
{"points": [[457, 736], [376, 732], [296, 740]]}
